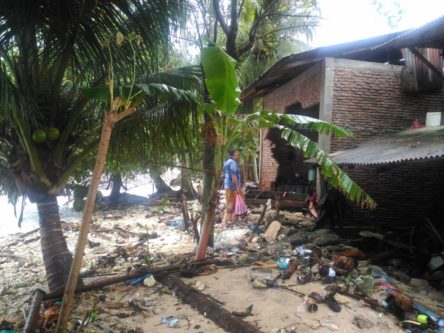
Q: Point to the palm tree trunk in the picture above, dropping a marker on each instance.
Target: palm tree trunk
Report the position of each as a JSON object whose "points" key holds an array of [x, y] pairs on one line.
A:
{"points": [[68, 297], [117, 184], [56, 255], [161, 186]]}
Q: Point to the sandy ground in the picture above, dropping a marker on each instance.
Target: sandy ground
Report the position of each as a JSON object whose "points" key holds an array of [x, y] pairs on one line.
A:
{"points": [[126, 308]]}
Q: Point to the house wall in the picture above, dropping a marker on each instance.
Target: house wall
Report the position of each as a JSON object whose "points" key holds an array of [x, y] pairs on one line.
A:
{"points": [[304, 89], [405, 193], [366, 98]]}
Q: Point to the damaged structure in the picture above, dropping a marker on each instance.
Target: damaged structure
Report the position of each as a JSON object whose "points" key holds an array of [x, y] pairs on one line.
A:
{"points": [[374, 87]]}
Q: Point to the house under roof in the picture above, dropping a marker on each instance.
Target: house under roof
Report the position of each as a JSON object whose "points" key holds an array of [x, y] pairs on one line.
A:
{"points": [[384, 49]]}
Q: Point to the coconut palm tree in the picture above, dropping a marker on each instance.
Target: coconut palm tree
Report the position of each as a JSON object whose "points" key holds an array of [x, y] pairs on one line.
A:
{"points": [[49, 51]]}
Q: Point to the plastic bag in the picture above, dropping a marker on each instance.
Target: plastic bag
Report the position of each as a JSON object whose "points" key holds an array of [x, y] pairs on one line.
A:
{"points": [[240, 208]]}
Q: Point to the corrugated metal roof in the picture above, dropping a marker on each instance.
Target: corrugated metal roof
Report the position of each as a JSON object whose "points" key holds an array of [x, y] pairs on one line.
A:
{"points": [[412, 144], [429, 35]]}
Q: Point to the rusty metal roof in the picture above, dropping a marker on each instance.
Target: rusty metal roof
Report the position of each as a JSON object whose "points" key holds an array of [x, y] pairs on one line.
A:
{"points": [[409, 145]]}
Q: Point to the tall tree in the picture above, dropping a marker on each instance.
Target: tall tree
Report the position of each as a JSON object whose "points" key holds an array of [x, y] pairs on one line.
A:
{"points": [[49, 51]]}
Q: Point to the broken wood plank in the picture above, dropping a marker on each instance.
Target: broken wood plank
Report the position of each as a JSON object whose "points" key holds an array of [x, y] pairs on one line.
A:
{"points": [[208, 307]]}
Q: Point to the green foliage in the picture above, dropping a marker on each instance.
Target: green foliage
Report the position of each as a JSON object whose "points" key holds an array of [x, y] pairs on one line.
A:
{"points": [[220, 79], [288, 124], [50, 51]]}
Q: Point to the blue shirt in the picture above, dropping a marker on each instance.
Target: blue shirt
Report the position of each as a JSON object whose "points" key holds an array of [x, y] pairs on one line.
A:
{"points": [[231, 167]]}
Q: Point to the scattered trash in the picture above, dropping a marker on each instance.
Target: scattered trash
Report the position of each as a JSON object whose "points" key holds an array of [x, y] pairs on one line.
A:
{"points": [[329, 325], [332, 303], [180, 224], [138, 280], [255, 229], [283, 262], [311, 304], [170, 321], [149, 281], [422, 319]]}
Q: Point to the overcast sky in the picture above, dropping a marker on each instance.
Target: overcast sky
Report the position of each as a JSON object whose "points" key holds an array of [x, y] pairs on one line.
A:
{"points": [[348, 20]]}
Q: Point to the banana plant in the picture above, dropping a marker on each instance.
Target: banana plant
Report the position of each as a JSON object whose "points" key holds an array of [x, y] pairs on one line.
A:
{"points": [[223, 88]]}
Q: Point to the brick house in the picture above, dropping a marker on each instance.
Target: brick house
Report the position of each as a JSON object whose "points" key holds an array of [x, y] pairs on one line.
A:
{"points": [[373, 87]]}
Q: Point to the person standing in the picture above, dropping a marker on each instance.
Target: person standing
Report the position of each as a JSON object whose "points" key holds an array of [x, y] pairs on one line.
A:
{"points": [[232, 184]]}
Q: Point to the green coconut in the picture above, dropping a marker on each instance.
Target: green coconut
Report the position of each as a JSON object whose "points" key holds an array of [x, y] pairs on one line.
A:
{"points": [[39, 136]]}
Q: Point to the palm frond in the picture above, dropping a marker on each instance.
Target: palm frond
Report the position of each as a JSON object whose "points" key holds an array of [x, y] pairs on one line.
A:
{"points": [[329, 169]]}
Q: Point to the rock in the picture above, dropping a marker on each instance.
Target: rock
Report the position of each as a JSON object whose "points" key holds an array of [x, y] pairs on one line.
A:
{"points": [[362, 322], [326, 239], [317, 233], [315, 268], [261, 274], [278, 248], [341, 299], [272, 231], [297, 239], [259, 283], [199, 285], [419, 283], [329, 325], [269, 217]]}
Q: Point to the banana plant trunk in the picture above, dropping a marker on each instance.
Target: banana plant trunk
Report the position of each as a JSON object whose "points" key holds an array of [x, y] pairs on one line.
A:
{"points": [[209, 195], [111, 118], [56, 255]]}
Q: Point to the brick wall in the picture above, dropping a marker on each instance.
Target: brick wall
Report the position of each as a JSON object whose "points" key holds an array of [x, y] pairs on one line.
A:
{"points": [[404, 193], [304, 89], [367, 98]]}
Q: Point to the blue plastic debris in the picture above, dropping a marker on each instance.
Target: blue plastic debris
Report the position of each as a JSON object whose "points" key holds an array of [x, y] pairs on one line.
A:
{"points": [[178, 224], [137, 280], [169, 321], [283, 262]]}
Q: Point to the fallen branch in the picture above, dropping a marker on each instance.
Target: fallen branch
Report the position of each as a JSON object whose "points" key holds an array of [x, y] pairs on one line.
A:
{"points": [[34, 312], [208, 307], [261, 218]]}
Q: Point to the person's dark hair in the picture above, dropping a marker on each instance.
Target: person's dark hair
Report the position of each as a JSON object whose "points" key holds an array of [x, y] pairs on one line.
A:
{"points": [[231, 152]]}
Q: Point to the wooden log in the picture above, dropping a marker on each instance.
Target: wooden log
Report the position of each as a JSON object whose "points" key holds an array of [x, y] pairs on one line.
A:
{"points": [[122, 278], [208, 307], [34, 312]]}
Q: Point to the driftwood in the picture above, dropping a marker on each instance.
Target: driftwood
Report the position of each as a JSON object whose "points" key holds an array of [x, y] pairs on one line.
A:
{"points": [[34, 312], [208, 307]]}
